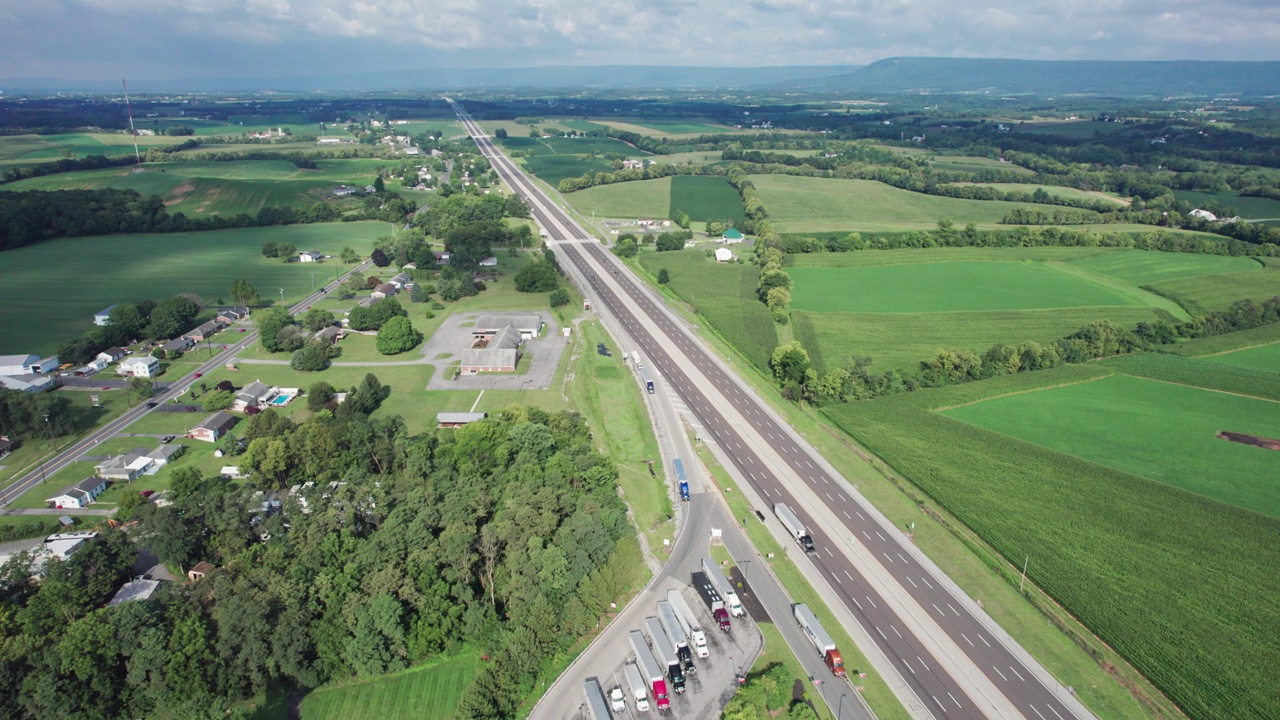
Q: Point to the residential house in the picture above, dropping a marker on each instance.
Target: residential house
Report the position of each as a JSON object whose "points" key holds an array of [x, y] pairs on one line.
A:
{"points": [[139, 366], [443, 258], [402, 281], [127, 467], [256, 394], [200, 570], [1204, 215], [229, 315], [103, 316], [176, 346], [343, 190], [64, 545], [6, 446], [213, 427], [500, 353], [17, 364], [458, 419], [111, 355], [724, 255], [310, 256], [80, 494], [384, 290], [632, 164], [330, 335], [529, 326], [371, 190], [490, 261], [731, 236], [164, 455], [139, 588], [27, 383], [205, 331], [232, 472]]}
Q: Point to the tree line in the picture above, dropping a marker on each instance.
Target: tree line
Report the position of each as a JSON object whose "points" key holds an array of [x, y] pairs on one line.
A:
{"points": [[131, 322], [504, 538]]}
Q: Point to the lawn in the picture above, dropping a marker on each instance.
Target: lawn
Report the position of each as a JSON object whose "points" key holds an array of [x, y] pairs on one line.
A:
{"points": [[93, 272], [1264, 357], [947, 286], [1206, 293], [1143, 267], [1174, 581], [637, 199], [902, 340], [706, 198], [1158, 430], [427, 692], [806, 204]]}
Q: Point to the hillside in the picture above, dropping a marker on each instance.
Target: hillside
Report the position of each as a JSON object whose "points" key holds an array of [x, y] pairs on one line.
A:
{"points": [[1055, 77]]}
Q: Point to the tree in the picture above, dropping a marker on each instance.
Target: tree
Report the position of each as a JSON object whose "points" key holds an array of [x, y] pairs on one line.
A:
{"points": [[626, 247], [670, 241], [319, 395], [318, 319], [379, 185], [287, 251], [558, 297], [218, 400], [140, 388], [397, 335], [311, 357], [244, 293], [778, 298], [349, 255], [664, 277], [270, 322], [500, 133], [536, 277], [270, 249], [127, 320], [790, 362], [380, 258], [171, 317]]}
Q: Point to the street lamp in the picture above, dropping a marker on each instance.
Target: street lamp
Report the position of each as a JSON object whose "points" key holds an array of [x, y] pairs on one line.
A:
{"points": [[840, 707]]}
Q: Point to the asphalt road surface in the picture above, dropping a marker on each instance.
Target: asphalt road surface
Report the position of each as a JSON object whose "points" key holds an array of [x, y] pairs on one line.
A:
{"points": [[956, 661], [175, 388]]}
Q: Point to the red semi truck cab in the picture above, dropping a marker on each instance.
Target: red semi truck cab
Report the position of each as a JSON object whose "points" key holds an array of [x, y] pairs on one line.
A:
{"points": [[836, 663]]}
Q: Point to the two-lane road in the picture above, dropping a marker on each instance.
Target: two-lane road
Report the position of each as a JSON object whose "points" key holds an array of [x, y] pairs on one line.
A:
{"points": [[953, 657]]}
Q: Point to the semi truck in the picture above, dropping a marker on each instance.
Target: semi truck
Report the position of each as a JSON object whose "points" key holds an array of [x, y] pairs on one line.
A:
{"points": [[637, 685], [681, 478], [721, 583], [647, 379], [692, 625], [650, 670], [820, 639], [617, 700], [675, 631], [595, 700], [665, 652], [793, 525], [712, 598]]}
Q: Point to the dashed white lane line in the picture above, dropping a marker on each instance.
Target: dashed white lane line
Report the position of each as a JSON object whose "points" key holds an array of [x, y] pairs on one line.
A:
{"points": [[922, 662], [935, 607], [1002, 676], [829, 553], [1014, 670], [837, 577], [935, 699], [966, 639], [882, 635], [864, 532], [881, 536], [886, 557], [894, 628], [1033, 707], [846, 572], [984, 641], [1055, 712], [954, 700], [904, 560], [855, 600], [953, 609], [860, 515], [873, 602], [846, 514], [926, 582], [913, 582], [904, 662]]}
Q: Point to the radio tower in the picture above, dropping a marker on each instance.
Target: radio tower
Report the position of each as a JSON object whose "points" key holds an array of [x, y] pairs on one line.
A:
{"points": [[137, 155]]}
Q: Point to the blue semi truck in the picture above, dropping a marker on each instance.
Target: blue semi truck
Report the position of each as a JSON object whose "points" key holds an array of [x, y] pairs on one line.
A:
{"points": [[681, 478]]}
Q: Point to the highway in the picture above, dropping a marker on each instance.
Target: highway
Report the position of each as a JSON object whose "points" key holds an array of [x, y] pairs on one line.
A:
{"points": [[954, 660], [177, 387]]}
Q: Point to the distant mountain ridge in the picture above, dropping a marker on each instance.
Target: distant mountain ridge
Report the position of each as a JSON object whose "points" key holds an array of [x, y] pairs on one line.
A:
{"points": [[1127, 78]]}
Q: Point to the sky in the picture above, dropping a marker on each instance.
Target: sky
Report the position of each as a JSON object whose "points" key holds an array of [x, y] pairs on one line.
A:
{"points": [[173, 39]]}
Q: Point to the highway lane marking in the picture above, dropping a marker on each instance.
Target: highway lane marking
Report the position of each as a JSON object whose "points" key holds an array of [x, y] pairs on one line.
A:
{"points": [[886, 557], [873, 602], [829, 496], [925, 580], [966, 639], [854, 599], [881, 536], [886, 638], [864, 532], [846, 514], [860, 515], [1055, 712], [808, 464], [825, 480], [846, 572], [894, 628], [954, 700], [925, 664], [829, 553], [1033, 707], [993, 667], [953, 609], [935, 607], [1014, 670], [904, 560], [913, 583], [984, 641], [935, 699], [904, 662], [837, 577]]}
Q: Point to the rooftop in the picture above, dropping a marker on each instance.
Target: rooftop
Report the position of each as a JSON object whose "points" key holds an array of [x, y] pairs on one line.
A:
{"points": [[136, 589]]}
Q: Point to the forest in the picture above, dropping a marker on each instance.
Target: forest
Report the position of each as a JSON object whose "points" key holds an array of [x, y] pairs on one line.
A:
{"points": [[505, 538]]}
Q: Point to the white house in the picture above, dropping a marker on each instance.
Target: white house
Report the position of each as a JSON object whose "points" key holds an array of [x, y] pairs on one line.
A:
{"points": [[26, 383], [137, 589], [310, 256], [139, 366], [724, 255], [129, 466], [103, 316], [27, 364], [80, 494], [1203, 215], [256, 394]]}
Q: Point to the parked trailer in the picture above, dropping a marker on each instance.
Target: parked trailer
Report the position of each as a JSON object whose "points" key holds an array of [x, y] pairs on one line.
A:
{"points": [[722, 585], [675, 631], [798, 531], [820, 639], [692, 625], [647, 378], [637, 685], [712, 598], [596, 705], [651, 670], [665, 652], [681, 478]]}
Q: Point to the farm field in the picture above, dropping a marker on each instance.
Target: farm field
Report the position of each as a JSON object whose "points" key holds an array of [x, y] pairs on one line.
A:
{"points": [[429, 692], [1168, 433], [658, 127], [31, 149], [706, 198], [966, 163], [943, 286], [903, 340], [804, 204], [1264, 357], [641, 198], [699, 157], [1250, 208], [1078, 129], [1058, 190], [1143, 267], [554, 168], [1088, 529], [1217, 292], [134, 267]]}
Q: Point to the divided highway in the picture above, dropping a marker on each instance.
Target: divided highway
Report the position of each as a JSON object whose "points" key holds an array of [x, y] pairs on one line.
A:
{"points": [[953, 658], [175, 388]]}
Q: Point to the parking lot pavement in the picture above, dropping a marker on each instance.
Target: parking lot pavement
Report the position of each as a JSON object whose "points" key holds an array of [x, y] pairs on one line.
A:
{"points": [[446, 345]]}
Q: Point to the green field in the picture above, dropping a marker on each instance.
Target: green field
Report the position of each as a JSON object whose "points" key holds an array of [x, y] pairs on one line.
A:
{"points": [[903, 340], [1057, 190], [681, 127], [1158, 430], [1250, 208], [967, 163], [636, 199], [1079, 129], [806, 204], [942, 287], [554, 168], [31, 149], [1177, 583], [1207, 293], [429, 692], [1142, 267], [706, 198], [1264, 357], [93, 272]]}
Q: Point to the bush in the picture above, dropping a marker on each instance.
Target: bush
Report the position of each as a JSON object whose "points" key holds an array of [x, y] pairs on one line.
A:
{"points": [[559, 297], [312, 357], [397, 335], [536, 277], [664, 277], [218, 400], [319, 395], [376, 315]]}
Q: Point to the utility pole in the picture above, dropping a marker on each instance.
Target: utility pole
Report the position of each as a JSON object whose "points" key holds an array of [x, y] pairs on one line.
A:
{"points": [[1024, 573], [281, 297]]}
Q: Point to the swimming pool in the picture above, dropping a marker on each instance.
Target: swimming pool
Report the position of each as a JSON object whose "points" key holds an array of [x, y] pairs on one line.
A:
{"points": [[281, 400]]}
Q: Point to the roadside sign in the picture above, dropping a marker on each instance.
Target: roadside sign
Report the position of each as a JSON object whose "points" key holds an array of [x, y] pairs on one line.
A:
{"points": [[96, 401]]}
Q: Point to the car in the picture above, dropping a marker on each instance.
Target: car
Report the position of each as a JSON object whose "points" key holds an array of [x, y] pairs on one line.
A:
{"points": [[166, 438], [224, 347], [323, 291], [191, 408], [241, 329], [198, 375], [152, 404], [106, 387], [760, 515]]}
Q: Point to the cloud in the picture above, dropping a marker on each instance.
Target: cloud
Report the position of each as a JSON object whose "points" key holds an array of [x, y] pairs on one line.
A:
{"points": [[176, 38]]}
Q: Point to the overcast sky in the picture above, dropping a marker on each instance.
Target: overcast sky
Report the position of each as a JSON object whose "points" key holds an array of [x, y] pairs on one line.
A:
{"points": [[168, 39]]}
